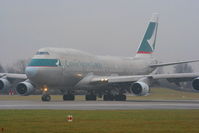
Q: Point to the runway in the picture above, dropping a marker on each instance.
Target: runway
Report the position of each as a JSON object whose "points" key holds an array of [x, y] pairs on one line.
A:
{"points": [[100, 105]]}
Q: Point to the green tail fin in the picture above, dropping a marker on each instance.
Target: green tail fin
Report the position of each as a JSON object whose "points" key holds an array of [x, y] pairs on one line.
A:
{"points": [[147, 45]]}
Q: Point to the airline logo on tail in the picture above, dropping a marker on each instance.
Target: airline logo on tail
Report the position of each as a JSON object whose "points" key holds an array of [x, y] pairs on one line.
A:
{"points": [[147, 45]]}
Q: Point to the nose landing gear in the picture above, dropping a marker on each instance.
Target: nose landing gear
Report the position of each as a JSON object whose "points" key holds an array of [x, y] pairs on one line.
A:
{"points": [[45, 97]]}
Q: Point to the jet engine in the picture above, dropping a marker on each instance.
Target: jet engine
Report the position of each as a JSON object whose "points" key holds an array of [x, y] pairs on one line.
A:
{"points": [[195, 83], [4, 83], [139, 88], [25, 88]]}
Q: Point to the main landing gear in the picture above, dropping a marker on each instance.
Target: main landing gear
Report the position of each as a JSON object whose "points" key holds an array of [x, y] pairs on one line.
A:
{"points": [[68, 97], [91, 97], [120, 97]]}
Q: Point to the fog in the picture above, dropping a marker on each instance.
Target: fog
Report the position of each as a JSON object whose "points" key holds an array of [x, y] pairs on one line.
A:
{"points": [[102, 27]]}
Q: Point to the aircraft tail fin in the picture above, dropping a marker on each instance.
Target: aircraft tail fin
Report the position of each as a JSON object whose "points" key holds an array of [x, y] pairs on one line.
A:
{"points": [[147, 45]]}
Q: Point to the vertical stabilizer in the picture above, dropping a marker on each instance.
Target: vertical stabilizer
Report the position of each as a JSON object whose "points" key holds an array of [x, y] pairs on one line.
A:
{"points": [[147, 45]]}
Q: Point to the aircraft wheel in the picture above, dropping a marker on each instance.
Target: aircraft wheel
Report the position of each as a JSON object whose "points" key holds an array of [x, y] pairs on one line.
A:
{"points": [[108, 97], [91, 97], [46, 97], [68, 97], [123, 98], [120, 97]]}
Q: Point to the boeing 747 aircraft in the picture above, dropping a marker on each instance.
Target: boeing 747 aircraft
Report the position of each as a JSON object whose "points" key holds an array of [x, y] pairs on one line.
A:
{"points": [[105, 76]]}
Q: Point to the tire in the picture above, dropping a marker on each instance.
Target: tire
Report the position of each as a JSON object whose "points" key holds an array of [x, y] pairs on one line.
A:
{"points": [[108, 97], [120, 97], [91, 97], [68, 97], [46, 98], [123, 97]]}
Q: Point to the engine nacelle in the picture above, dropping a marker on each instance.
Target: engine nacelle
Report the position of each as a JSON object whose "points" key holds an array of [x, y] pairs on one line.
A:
{"points": [[4, 83], [139, 88], [25, 88], [195, 83]]}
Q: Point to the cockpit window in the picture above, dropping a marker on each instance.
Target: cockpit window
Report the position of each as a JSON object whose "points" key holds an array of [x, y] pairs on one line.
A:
{"points": [[45, 62], [42, 53]]}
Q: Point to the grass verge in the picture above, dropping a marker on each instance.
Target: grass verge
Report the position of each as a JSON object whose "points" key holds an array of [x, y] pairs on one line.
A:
{"points": [[129, 121]]}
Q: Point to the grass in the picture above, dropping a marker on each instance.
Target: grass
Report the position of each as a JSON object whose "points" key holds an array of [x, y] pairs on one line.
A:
{"points": [[129, 121], [156, 94]]}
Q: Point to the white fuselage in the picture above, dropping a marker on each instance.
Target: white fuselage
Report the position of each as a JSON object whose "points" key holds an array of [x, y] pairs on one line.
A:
{"points": [[72, 65]]}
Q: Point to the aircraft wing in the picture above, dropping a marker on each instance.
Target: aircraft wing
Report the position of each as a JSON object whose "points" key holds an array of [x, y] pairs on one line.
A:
{"points": [[13, 76], [177, 77]]}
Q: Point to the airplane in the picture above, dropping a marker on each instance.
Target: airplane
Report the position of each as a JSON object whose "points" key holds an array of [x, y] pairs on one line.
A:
{"points": [[70, 70]]}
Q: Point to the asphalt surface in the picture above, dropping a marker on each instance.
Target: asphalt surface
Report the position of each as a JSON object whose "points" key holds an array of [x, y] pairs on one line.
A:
{"points": [[100, 105]]}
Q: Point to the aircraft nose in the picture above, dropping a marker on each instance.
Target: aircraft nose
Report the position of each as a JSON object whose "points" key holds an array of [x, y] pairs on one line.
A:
{"points": [[31, 71]]}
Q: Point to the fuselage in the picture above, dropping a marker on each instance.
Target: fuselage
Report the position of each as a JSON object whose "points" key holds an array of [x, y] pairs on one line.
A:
{"points": [[58, 67]]}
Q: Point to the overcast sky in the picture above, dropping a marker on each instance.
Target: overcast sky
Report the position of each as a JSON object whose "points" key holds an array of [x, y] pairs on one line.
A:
{"points": [[102, 27]]}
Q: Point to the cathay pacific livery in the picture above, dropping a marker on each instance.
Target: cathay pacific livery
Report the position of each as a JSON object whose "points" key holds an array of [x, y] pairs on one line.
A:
{"points": [[70, 70]]}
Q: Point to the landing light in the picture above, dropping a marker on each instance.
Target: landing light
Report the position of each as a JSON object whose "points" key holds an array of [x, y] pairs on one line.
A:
{"points": [[79, 75], [104, 80], [45, 89]]}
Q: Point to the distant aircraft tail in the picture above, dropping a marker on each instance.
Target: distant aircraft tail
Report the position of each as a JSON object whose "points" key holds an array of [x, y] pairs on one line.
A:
{"points": [[147, 45]]}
